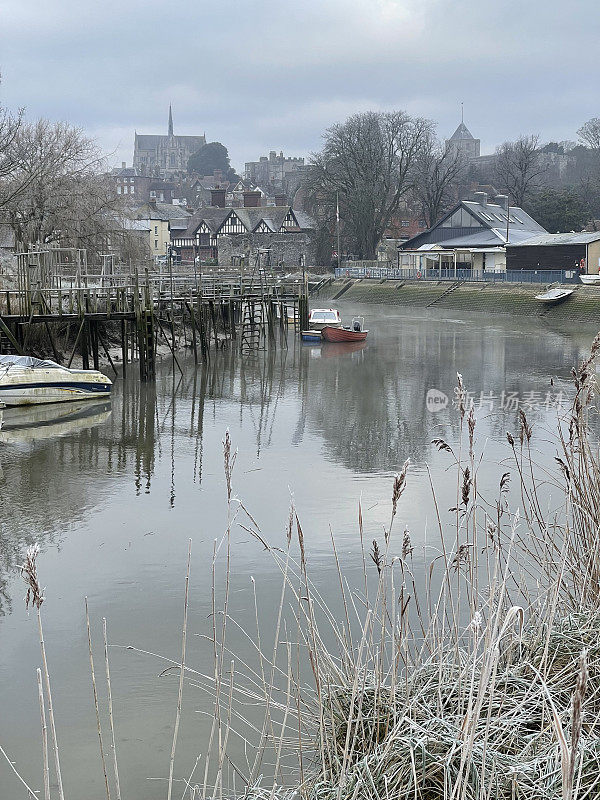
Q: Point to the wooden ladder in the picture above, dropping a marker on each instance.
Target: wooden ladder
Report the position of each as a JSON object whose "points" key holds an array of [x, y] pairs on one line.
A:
{"points": [[146, 340], [253, 324]]}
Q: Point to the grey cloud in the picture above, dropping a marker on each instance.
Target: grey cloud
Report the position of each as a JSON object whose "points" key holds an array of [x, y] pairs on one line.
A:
{"points": [[260, 74]]}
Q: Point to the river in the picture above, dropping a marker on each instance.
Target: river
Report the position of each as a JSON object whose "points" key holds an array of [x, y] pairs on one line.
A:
{"points": [[113, 493]]}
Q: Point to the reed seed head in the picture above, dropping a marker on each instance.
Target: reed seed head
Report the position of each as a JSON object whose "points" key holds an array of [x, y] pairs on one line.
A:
{"points": [[399, 486], [34, 595]]}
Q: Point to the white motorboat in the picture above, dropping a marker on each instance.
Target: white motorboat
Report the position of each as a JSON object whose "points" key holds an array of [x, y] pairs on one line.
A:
{"points": [[554, 295], [25, 380], [590, 280]]}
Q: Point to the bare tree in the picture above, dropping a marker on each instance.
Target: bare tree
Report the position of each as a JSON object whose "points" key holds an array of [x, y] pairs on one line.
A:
{"points": [[519, 168], [10, 155], [56, 193], [368, 162], [590, 134], [438, 168]]}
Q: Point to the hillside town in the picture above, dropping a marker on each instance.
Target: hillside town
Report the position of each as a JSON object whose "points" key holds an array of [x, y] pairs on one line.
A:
{"points": [[182, 199]]}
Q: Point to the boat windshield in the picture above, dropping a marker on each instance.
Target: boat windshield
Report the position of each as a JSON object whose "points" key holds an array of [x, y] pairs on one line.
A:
{"points": [[28, 361], [324, 316]]}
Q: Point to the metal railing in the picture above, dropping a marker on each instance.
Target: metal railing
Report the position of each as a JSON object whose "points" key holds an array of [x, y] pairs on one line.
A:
{"points": [[511, 276]]}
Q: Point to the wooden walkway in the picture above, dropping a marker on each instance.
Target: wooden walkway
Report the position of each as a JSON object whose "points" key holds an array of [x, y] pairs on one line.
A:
{"points": [[62, 314]]}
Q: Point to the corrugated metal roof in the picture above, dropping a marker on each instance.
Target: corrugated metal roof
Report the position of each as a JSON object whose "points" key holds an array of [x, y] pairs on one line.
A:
{"points": [[561, 238]]}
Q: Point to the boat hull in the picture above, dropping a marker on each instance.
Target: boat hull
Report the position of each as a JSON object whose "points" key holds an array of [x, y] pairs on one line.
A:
{"points": [[590, 280], [553, 296], [331, 334], [24, 387], [311, 336]]}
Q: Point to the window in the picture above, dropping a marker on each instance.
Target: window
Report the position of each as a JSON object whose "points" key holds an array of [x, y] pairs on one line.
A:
{"points": [[156, 230], [405, 223], [132, 190], [118, 190], [156, 244]]}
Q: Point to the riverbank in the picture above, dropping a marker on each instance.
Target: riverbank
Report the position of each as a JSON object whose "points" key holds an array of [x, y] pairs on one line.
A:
{"points": [[490, 298]]}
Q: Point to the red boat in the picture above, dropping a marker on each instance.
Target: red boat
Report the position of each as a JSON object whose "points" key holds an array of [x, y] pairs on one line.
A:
{"points": [[353, 334]]}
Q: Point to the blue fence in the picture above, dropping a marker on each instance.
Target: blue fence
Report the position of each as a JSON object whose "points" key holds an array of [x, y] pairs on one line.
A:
{"points": [[513, 276]]}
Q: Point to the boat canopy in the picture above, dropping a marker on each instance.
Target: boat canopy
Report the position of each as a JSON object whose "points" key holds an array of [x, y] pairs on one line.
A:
{"points": [[28, 361]]}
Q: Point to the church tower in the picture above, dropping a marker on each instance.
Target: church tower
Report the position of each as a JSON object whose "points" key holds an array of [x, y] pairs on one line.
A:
{"points": [[170, 121], [462, 141]]}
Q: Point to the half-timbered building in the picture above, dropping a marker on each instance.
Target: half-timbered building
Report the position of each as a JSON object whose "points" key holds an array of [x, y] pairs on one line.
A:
{"points": [[224, 233]]}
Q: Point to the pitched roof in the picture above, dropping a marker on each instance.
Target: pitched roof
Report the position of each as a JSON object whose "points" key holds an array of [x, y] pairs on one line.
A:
{"points": [[490, 230], [561, 238], [250, 217], [462, 132], [151, 141], [492, 237], [492, 215], [179, 224], [125, 172], [214, 218], [170, 211], [304, 220]]}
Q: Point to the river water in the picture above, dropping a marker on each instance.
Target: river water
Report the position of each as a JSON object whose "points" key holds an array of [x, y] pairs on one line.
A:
{"points": [[113, 492]]}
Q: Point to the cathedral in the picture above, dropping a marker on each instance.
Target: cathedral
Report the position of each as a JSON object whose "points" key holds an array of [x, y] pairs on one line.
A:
{"points": [[164, 156]]}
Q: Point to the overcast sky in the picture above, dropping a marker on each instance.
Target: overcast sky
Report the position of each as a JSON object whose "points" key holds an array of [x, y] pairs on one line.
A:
{"points": [[262, 75]]}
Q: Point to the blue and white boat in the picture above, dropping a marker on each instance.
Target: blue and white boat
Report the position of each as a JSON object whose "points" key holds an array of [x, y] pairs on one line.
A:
{"points": [[25, 380]]}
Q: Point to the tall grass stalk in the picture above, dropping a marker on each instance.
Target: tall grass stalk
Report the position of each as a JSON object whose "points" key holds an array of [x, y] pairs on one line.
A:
{"points": [[110, 711], [46, 766], [96, 706], [35, 596], [181, 672]]}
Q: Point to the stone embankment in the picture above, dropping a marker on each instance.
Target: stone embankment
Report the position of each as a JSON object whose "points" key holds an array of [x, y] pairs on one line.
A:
{"points": [[489, 298]]}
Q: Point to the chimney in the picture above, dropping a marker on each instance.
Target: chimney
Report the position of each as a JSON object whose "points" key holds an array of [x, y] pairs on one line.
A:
{"points": [[251, 199], [280, 200], [123, 165], [481, 198], [217, 198], [502, 200]]}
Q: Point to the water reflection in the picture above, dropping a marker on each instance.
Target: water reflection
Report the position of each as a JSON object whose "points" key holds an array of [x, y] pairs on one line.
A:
{"points": [[113, 497], [366, 401]]}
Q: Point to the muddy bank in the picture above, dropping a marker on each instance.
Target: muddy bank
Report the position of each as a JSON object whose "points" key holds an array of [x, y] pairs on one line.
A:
{"points": [[490, 298]]}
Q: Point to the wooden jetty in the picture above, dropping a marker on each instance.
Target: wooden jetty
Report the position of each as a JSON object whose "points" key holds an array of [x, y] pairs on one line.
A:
{"points": [[77, 310]]}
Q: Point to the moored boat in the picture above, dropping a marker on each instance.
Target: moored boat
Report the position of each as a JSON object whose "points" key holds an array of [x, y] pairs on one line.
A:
{"points": [[321, 317], [25, 380], [554, 295], [590, 280], [355, 333]]}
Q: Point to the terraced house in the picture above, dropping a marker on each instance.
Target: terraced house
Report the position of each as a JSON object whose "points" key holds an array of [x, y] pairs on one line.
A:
{"points": [[228, 235]]}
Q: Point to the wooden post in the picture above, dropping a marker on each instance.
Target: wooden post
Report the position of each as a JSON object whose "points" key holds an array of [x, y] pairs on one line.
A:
{"points": [[94, 338], [124, 346], [85, 360], [232, 318]]}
